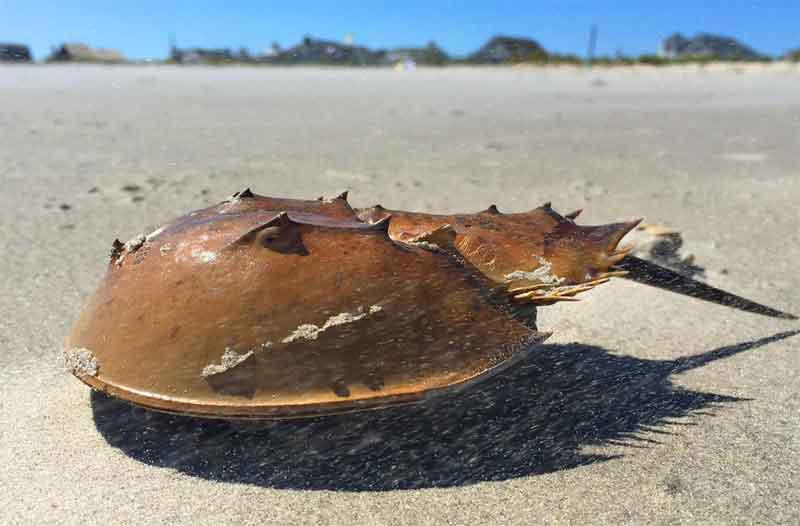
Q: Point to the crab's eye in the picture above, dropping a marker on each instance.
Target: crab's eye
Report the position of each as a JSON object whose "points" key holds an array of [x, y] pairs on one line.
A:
{"points": [[283, 239], [270, 234]]}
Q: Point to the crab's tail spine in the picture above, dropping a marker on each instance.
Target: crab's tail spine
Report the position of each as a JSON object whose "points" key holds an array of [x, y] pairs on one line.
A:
{"points": [[648, 273]]}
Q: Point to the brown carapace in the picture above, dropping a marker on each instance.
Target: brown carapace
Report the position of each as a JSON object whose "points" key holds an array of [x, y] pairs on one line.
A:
{"points": [[262, 307]]}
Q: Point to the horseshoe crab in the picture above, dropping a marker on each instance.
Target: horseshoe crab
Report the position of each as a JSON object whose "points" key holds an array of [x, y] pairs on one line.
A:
{"points": [[263, 307]]}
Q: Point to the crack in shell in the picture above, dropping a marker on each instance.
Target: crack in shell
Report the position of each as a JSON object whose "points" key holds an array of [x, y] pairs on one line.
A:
{"points": [[309, 331], [135, 243], [433, 247], [80, 361], [541, 274], [229, 360], [154, 233], [204, 256]]}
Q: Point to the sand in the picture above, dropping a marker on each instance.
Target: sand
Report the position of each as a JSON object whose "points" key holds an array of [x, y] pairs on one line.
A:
{"points": [[643, 408]]}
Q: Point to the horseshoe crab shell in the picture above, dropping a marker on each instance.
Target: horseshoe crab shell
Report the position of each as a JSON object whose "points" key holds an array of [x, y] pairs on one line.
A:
{"points": [[273, 308], [277, 308]]}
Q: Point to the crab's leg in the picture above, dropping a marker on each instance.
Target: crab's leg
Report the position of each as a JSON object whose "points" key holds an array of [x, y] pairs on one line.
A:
{"points": [[648, 273], [548, 293], [564, 289]]}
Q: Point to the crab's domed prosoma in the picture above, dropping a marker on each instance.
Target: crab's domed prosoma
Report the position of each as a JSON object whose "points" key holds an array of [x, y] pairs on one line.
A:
{"points": [[267, 308]]}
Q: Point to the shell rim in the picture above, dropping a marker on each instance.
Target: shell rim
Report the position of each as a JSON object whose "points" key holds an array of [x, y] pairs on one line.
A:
{"points": [[521, 350]]}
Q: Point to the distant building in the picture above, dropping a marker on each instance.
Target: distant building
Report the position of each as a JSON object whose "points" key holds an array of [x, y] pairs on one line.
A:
{"points": [[792, 55], [273, 51], [313, 51], [673, 46], [430, 55], [205, 56], [78, 52], [10, 52], [706, 45], [503, 49]]}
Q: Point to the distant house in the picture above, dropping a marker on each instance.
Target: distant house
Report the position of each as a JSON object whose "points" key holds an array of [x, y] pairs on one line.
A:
{"points": [[205, 56], [430, 55], [272, 51], [792, 55], [10, 52], [504, 49], [78, 52], [314, 51], [674, 45], [706, 45]]}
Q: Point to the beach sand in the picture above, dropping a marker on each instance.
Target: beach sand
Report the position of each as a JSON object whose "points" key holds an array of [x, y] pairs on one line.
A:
{"points": [[643, 408]]}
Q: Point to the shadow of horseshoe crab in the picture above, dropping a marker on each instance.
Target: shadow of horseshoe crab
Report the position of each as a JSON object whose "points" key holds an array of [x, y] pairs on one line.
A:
{"points": [[534, 418]]}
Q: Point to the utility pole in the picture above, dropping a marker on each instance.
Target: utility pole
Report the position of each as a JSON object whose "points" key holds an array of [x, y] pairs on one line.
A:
{"points": [[592, 45], [173, 47]]}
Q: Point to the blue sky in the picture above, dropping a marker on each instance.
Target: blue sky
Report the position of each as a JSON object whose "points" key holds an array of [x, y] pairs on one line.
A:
{"points": [[141, 29]]}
